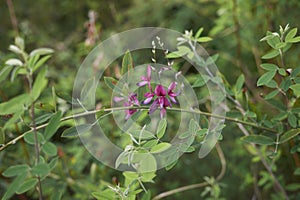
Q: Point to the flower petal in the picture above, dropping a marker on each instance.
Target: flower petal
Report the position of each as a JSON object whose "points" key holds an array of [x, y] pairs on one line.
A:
{"points": [[118, 99], [148, 100], [160, 90], [153, 106], [142, 83], [172, 86]]}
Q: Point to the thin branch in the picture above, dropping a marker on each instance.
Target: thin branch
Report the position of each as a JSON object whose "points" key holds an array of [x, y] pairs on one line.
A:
{"points": [[13, 17], [198, 185], [13, 141]]}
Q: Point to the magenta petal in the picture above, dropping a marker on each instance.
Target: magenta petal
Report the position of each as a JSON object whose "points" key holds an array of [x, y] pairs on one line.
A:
{"points": [[118, 99], [148, 100], [160, 90], [149, 72], [144, 78], [172, 86], [142, 83], [148, 94], [173, 99], [153, 106]]}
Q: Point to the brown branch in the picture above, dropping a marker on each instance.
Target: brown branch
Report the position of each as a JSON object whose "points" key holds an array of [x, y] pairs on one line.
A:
{"points": [[13, 18]]}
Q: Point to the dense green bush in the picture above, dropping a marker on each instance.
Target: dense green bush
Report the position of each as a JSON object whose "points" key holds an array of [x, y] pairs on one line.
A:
{"points": [[257, 155]]}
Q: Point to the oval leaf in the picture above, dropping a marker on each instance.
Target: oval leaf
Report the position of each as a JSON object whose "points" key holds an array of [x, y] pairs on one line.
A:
{"points": [[258, 139], [27, 185], [160, 147], [41, 51], [289, 135], [77, 130], [15, 170], [265, 78], [53, 125]]}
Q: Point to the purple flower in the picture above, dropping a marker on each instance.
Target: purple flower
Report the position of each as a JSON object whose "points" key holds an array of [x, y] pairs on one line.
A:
{"points": [[146, 80], [162, 101], [132, 100]]}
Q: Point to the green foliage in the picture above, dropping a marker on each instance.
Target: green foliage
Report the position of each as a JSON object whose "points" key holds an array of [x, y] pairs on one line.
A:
{"points": [[261, 81]]}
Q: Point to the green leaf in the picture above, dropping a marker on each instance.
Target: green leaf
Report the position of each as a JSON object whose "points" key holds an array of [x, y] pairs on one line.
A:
{"points": [[265, 78], [43, 118], [41, 169], [127, 63], [280, 45], [39, 84], [201, 80], [200, 30], [53, 163], [271, 84], [293, 187], [131, 175], [44, 106], [292, 119], [40, 62], [14, 186], [292, 33], [258, 139], [148, 176], [295, 40], [49, 148], [77, 130], [27, 185], [5, 72], [15, 49], [16, 170], [160, 147], [53, 125], [14, 62], [239, 83], [161, 128], [282, 71], [29, 138], [150, 143], [145, 162], [142, 134], [271, 94], [289, 135], [41, 51], [296, 89], [269, 67], [2, 136], [272, 54], [274, 41], [297, 171], [182, 51], [110, 82], [20, 42], [267, 37], [204, 39], [106, 194]]}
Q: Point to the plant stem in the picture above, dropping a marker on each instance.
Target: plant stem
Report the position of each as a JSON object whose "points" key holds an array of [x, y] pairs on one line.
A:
{"points": [[140, 108], [198, 185], [36, 142], [13, 17]]}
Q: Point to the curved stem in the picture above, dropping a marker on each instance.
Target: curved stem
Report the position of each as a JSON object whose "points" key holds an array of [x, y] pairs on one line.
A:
{"points": [[13, 141], [198, 185]]}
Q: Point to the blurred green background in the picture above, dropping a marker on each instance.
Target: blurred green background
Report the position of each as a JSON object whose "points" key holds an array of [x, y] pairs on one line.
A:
{"points": [[236, 27]]}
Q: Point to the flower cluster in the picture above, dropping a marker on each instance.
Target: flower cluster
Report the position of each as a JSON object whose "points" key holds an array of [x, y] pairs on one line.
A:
{"points": [[131, 101], [162, 97]]}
